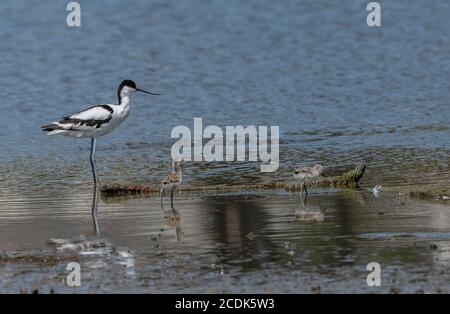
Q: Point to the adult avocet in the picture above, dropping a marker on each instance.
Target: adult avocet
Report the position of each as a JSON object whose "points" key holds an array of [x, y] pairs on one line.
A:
{"points": [[97, 121]]}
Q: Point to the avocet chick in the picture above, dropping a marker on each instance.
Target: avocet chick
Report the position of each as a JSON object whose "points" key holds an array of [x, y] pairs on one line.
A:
{"points": [[170, 183], [306, 174]]}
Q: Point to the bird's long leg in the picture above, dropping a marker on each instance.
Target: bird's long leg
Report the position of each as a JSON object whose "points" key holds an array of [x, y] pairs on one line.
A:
{"points": [[302, 184], [92, 159], [171, 200], [96, 188], [306, 190], [161, 191]]}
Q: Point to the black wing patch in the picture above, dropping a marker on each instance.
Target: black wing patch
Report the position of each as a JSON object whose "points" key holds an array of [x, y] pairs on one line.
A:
{"points": [[91, 122]]}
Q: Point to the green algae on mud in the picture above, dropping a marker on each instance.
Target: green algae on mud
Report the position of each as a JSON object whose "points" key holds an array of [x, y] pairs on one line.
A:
{"points": [[346, 179]]}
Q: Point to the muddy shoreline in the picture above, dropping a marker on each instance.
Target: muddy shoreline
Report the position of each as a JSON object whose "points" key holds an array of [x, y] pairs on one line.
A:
{"points": [[347, 179], [44, 272]]}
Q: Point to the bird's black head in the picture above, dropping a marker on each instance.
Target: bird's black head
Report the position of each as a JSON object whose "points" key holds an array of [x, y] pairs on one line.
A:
{"points": [[128, 83], [128, 87]]}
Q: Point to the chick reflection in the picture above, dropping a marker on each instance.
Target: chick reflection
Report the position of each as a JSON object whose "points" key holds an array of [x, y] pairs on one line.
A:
{"points": [[174, 220], [308, 213]]}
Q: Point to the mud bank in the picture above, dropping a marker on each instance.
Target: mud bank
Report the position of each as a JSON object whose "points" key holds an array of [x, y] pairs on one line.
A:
{"points": [[346, 179]]}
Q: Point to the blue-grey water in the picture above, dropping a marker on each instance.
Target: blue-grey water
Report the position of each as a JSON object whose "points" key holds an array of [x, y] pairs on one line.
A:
{"points": [[340, 91]]}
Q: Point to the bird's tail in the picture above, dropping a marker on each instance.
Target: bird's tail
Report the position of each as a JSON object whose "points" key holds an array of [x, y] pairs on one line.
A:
{"points": [[53, 128]]}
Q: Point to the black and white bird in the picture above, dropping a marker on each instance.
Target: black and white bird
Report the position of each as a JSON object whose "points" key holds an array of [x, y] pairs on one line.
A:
{"points": [[97, 121]]}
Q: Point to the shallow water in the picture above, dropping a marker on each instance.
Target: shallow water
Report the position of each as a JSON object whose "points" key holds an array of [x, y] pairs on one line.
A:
{"points": [[341, 93], [236, 243]]}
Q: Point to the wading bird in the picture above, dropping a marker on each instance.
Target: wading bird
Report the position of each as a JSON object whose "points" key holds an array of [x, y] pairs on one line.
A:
{"points": [[97, 121], [170, 183], [305, 174]]}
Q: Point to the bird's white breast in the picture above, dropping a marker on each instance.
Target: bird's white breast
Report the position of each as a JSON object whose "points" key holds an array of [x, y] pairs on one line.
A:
{"points": [[120, 113]]}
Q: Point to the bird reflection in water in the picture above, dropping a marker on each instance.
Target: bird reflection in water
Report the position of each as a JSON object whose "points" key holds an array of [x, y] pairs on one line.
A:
{"points": [[95, 197], [174, 220], [308, 213]]}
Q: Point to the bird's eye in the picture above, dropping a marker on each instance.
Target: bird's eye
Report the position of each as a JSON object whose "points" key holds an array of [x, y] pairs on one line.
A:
{"points": [[296, 172]]}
